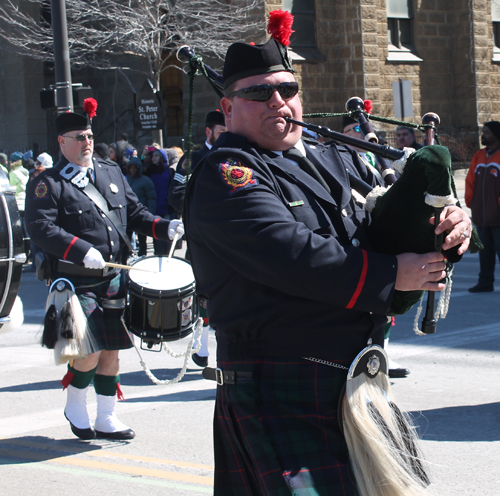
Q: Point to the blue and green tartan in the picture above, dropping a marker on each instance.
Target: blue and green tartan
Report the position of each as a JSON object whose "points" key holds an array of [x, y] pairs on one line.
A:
{"points": [[279, 434], [105, 325]]}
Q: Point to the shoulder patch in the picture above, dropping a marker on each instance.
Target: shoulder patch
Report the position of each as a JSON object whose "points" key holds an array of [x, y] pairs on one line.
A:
{"points": [[41, 190], [236, 175]]}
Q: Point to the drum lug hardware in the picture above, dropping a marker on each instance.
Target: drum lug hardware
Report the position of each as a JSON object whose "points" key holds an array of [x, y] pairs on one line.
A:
{"points": [[21, 258]]}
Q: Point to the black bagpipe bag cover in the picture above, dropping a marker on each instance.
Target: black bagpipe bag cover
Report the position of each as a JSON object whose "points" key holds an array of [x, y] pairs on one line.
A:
{"points": [[400, 219]]}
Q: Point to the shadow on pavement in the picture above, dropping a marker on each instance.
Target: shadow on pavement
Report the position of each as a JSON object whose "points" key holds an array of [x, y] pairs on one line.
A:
{"points": [[29, 449], [467, 423], [34, 386]]}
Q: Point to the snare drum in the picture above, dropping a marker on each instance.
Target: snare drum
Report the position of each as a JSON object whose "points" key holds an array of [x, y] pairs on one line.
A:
{"points": [[162, 303]]}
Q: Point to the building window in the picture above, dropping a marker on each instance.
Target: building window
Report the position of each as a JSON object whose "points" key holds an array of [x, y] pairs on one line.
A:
{"points": [[495, 19], [400, 31], [304, 22]]}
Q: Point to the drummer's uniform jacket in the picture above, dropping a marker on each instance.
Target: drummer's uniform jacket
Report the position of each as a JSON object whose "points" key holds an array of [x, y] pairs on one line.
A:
{"points": [[66, 223], [177, 188], [286, 267]]}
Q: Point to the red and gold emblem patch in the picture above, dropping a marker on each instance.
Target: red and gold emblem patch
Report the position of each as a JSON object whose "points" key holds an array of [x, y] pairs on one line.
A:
{"points": [[41, 190], [236, 175]]}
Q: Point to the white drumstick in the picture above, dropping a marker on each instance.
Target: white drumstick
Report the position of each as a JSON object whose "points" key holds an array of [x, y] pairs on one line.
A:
{"points": [[129, 267], [172, 248]]}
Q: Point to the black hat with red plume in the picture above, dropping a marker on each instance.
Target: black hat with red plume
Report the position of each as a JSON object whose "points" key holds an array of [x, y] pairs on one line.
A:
{"points": [[71, 121], [245, 60]]}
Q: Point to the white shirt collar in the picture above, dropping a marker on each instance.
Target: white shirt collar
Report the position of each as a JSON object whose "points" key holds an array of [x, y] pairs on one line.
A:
{"points": [[299, 146]]}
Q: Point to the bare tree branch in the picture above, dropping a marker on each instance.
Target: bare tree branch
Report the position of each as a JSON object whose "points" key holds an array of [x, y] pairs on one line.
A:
{"points": [[99, 30]]}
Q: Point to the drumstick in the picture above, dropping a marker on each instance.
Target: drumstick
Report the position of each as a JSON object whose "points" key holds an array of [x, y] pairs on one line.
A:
{"points": [[128, 267], [174, 242]]}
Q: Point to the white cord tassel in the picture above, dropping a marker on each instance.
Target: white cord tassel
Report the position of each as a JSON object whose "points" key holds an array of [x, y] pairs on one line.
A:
{"points": [[442, 306], [195, 336]]}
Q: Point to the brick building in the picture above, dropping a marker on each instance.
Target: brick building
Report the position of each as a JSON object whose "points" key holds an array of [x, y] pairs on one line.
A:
{"points": [[449, 51]]}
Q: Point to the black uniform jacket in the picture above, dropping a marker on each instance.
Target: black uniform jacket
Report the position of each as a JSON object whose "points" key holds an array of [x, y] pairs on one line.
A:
{"points": [[62, 219], [285, 266], [177, 188]]}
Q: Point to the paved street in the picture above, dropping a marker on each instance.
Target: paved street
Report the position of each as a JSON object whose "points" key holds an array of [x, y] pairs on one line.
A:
{"points": [[452, 392]]}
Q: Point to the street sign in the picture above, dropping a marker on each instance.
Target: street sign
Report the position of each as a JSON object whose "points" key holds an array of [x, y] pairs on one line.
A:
{"points": [[403, 102], [148, 110]]}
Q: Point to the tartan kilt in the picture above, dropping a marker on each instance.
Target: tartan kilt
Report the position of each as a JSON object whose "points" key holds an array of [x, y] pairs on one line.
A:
{"points": [[104, 324], [279, 434]]}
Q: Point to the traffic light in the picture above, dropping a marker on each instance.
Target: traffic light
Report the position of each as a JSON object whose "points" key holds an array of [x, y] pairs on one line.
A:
{"points": [[48, 96]]}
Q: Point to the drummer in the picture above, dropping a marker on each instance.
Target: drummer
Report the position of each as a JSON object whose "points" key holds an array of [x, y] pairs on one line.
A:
{"points": [[68, 225]]}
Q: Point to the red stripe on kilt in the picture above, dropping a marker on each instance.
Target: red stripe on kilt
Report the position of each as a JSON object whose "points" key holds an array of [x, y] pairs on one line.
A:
{"points": [[153, 229], [73, 241], [361, 281], [225, 425]]}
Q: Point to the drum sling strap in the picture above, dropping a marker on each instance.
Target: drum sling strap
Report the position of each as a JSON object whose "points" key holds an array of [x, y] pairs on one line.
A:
{"points": [[91, 191]]}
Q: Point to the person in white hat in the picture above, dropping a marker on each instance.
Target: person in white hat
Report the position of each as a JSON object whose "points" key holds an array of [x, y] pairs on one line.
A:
{"points": [[43, 161]]}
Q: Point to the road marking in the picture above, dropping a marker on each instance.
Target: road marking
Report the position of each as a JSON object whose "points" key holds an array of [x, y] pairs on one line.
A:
{"points": [[110, 467], [123, 479]]}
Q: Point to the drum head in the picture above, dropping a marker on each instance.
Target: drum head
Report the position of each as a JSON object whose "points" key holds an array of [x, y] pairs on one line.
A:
{"points": [[166, 274]]}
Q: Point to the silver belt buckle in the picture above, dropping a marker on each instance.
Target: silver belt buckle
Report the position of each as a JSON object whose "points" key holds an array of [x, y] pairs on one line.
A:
{"points": [[219, 378]]}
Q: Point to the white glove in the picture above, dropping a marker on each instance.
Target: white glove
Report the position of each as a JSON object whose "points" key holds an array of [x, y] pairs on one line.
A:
{"points": [[175, 225], [93, 260]]}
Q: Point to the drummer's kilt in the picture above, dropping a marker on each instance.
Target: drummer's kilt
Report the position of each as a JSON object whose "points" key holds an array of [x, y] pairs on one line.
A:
{"points": [[279, 434], [105, 325]]}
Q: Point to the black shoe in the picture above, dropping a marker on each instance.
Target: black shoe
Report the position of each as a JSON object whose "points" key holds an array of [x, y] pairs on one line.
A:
{"points": [[481, 289], [126, 434], [199, 360], [85, 434], [396, 373]]}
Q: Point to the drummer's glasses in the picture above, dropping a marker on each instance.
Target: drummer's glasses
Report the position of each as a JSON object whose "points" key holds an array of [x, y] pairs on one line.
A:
{"points": [[81, 137], [264, 92]]}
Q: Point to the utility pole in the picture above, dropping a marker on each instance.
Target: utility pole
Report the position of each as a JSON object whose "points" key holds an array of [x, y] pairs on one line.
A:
{"points": [[64, 95]]}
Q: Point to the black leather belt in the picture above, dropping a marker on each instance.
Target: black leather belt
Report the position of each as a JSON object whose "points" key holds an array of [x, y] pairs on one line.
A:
{"points": [[62, 268], [222, 377]]}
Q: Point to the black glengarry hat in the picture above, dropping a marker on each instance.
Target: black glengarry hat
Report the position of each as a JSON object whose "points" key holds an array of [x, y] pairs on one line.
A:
{"points": [[244, 60], [214, 118], [71, 121]]}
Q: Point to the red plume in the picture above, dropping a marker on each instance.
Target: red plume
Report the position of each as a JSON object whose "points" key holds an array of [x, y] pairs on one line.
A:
{"points": [[368, 106], [280, 26], [90, 106]]}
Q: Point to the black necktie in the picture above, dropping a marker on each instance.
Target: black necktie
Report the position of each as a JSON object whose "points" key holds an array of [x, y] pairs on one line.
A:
{"points": [[90, 175], [306, 165]]}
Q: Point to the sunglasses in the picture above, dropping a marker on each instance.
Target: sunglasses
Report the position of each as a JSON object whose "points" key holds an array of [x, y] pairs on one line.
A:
{"points": [[263, 92], [81, 137], [356, 128]]}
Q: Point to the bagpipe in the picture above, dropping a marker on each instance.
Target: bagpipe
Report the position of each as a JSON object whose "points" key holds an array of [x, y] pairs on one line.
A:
{"points": [[400, 213]]}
